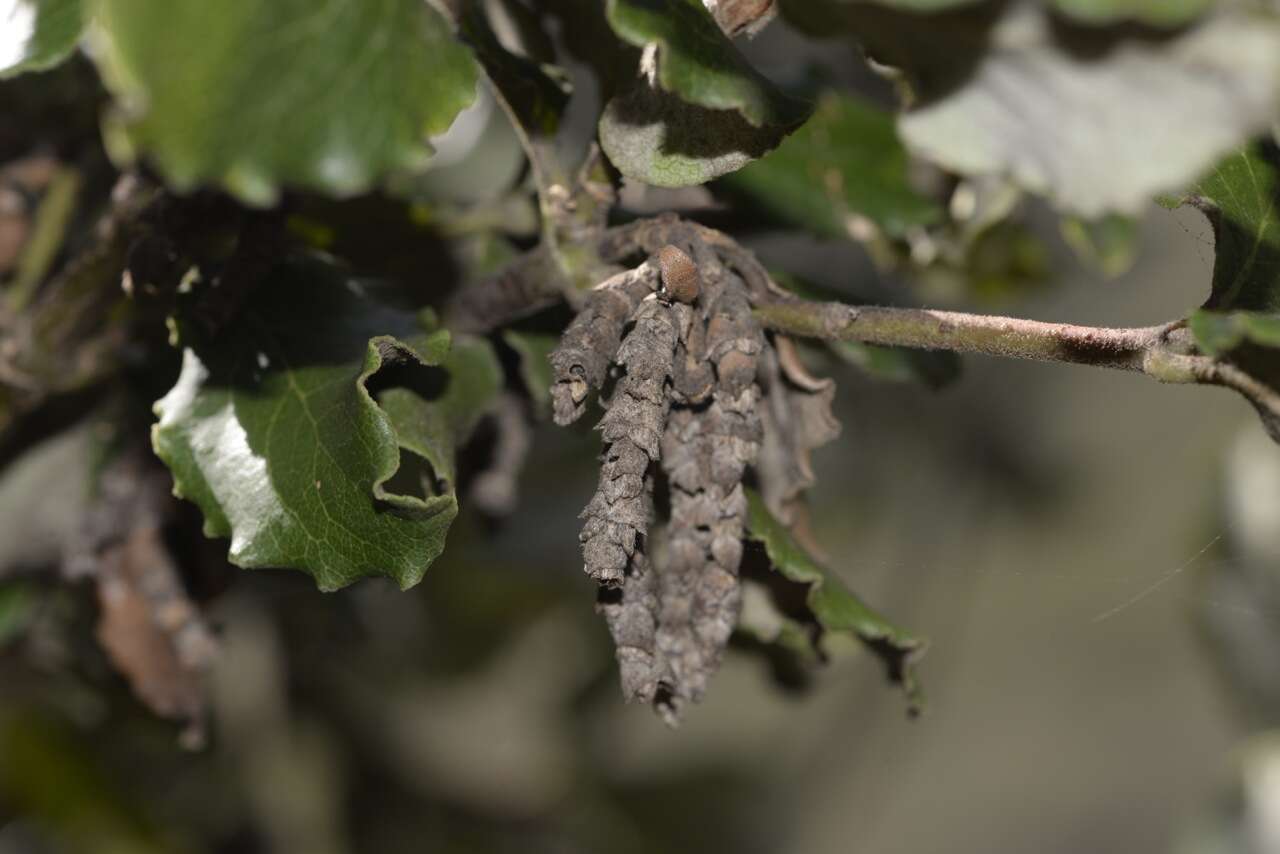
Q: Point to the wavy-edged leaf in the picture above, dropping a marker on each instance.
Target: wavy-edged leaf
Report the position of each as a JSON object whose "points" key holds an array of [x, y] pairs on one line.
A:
{"points": [[1146, 111], [322, 94], [434, 424], [272, 430], [843, 166], [834, 606], [701, 110], [38, 34]]}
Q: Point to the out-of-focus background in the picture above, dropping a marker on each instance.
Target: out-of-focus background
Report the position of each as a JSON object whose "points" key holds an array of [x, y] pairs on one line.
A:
{"points": [[1101, 612]]}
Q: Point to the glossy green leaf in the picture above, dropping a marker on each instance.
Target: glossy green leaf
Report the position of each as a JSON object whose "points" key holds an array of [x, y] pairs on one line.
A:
{"points": [[38, 34], [272, 430], [322, 94], [1240, 322], [1241, 198], [833, 605], [434, 425], [701, 110], [844, 165]]}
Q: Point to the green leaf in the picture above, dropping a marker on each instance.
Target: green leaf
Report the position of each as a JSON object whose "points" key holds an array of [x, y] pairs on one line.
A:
{"points": [[698, 63], [835, 608], [321, 94], [534, 350], [763, 622], [1241, 198], [1240, 322], [992, 97], [434, 426], [1218, 333], [652, 136], [272, 430], [845, 163], [38, 34], [701, 111]]}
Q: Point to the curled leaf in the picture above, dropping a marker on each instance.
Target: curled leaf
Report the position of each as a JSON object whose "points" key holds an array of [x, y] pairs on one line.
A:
{"points": [[274, 433], [834, 606]]}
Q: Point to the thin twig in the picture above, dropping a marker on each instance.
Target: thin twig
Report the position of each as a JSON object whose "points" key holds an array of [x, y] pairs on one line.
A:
{"points": [[1122, 348]]}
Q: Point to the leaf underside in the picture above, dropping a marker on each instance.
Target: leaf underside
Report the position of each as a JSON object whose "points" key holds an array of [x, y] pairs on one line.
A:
{"points": [[705, 113]]}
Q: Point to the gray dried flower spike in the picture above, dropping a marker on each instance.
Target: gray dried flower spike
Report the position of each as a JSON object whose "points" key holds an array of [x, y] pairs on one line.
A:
{"points": [[687, 399], [587, 348], [706, 452], [618, 515]]}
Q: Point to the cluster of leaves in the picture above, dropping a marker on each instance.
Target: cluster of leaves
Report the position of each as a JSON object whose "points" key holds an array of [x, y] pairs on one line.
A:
{"points": [[318, 416]]}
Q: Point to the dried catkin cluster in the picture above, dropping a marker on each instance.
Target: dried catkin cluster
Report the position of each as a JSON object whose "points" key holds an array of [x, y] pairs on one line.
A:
{"points": [[678, 357]]}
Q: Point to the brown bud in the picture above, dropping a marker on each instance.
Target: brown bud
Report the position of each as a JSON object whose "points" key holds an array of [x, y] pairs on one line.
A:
{"points": [[680, 279], [742, 17]]}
